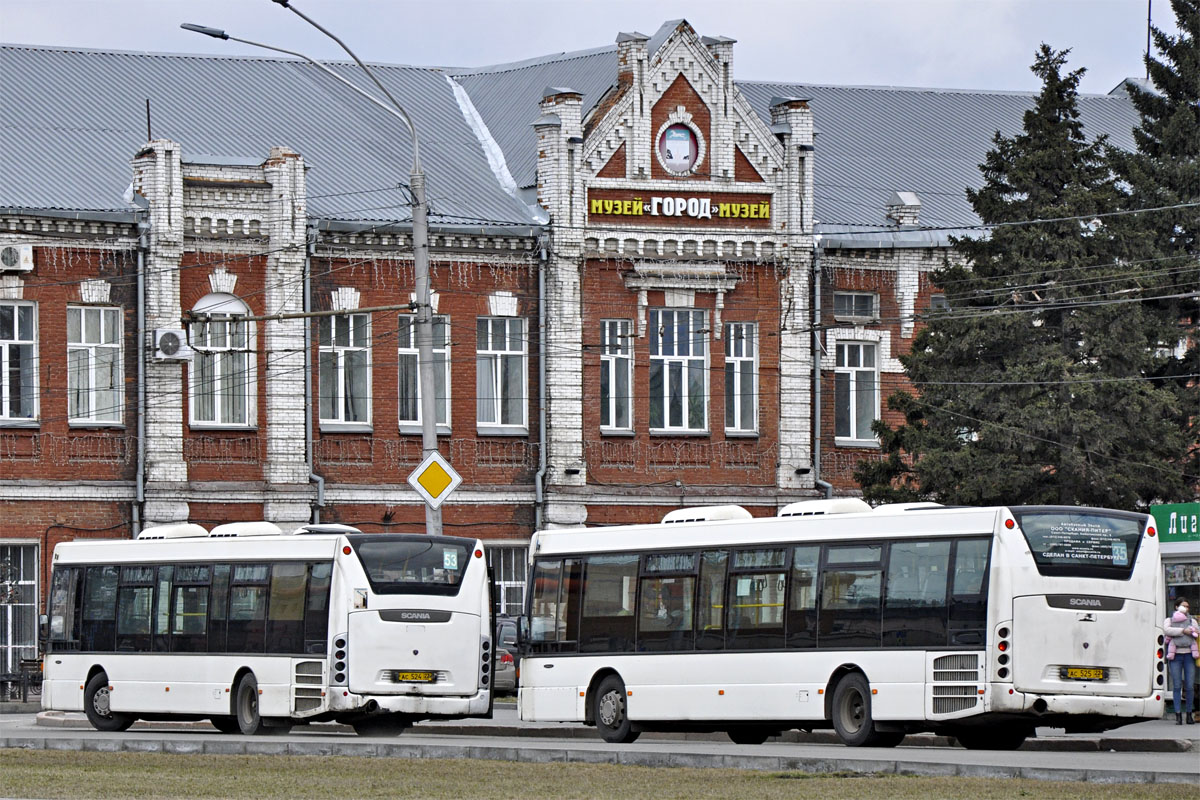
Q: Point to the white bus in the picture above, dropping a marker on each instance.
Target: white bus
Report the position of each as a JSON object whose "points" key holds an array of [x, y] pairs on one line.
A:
{"points": [[979, 623], [257, 631]]}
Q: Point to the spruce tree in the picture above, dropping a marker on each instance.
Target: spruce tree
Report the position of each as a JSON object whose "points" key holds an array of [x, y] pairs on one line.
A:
{"points": [[1031, 386]]}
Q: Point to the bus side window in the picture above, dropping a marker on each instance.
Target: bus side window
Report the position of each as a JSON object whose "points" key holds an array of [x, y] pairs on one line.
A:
{"points": [[64, 609], [968, 597], [607, 622], [248, 608], [545, 604], [915, 610], [316, 614], [217, 618], [99, 609], [189, 608], [285, 620], [710, 610], [162, 611], [802, 606], [135, 605]]}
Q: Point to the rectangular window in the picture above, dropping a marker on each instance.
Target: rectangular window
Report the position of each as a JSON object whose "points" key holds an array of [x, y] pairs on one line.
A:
{"points": [[554, 611], [64, 608], [915, 610], [855, 305], [285, 620], [607, 625], [678, 371], [410, 373], [222, 389], [665, 615], [802, 607], [968, 592], [741, 377], [851, 592], [99, 608], [616, 374], [345, 368], [710, 610], [93, 364], [509, 566], [316, 608], [756, 599], [135, 609], [500, 373], [248, 608], [856, 394], [18, 362]]}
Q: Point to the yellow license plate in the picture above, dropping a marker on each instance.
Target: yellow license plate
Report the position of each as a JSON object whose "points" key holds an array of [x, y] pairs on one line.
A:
{"points": [[1085, 674], [414, 677]]}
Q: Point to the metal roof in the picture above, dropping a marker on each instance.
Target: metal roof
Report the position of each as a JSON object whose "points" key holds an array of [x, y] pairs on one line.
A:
{"points": [[75, 118]]}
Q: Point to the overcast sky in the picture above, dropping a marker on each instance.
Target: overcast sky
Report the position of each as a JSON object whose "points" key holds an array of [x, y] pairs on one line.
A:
{"points": [[971, 44]]}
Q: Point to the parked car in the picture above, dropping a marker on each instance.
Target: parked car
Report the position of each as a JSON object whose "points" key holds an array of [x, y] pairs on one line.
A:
{"points": [[504, 679], [506, 636]]}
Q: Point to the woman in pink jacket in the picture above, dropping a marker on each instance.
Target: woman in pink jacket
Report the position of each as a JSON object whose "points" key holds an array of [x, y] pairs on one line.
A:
{"points": [[1182, 632]]}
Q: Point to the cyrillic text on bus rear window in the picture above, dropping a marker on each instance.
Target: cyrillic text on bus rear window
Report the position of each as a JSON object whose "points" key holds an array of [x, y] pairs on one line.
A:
{"points": [[1084, 544]]}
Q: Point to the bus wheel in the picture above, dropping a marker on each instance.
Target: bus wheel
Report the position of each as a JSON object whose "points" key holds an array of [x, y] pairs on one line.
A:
{"points": [[246, 705], [96, 704], [999, 737], [852, 712], [225, 724], [612, 712], [749, 735]]}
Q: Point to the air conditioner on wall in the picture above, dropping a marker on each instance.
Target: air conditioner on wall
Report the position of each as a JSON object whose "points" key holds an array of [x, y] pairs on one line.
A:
{"points": [[170, 344], [16, 258]]}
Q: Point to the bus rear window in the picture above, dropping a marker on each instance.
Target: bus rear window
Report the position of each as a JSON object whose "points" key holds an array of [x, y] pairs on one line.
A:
{"points": [[413, 564], [1088, 544]]}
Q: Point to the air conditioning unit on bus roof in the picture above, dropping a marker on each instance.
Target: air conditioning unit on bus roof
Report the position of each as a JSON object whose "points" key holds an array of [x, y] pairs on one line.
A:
{"points": [[259, 528], [830, 505], [175, 530], [706, 514]]}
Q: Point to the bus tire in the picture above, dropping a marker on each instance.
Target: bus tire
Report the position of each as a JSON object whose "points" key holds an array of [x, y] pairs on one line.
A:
{"points": [[245, 701], [611, 711], [96, 704], [225, 724], [852, 718], [998, 737]]}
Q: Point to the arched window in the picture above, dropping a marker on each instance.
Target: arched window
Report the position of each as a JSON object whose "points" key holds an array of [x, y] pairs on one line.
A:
{"points": [[222, 371]]}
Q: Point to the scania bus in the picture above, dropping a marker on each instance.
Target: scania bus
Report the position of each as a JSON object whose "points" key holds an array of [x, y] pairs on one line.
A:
{"points": [[257, 631], [979, 623]]}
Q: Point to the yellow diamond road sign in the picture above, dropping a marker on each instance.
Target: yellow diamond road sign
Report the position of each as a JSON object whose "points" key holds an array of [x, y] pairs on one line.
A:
{"points": [[434, 479]]}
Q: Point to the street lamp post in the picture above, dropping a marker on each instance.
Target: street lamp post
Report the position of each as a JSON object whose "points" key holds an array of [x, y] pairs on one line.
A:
{"points": [[420, 234]]}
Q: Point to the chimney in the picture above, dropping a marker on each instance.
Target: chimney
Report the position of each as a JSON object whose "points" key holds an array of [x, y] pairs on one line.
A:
{"points": [[631, 48], [904, 208]]}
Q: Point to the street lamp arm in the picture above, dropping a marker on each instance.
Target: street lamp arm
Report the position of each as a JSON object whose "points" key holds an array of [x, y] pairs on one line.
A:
{"points": [[217, 33], [412, 128]]}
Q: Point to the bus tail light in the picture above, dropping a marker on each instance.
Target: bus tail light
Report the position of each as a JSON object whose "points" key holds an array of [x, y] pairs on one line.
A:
{"points": [[341, 659], [1003, 652], [1150, 531]]}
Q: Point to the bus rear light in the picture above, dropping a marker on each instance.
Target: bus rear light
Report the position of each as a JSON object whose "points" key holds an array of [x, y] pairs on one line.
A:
{"points": [[340, 678], [1003, 659], [1160, 652], [1008, 523], [340, 655], [1003, 633], [479, 554], [1002, 672], [1150, 531], [340, 666], [339, 643], [346, 550], [1160, 666], [1161, 640], [981, 691], [1159, 680], [1010, 691], [1002, 647]]}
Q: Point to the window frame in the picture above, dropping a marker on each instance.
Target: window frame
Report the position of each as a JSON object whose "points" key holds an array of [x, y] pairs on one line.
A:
{"points": [[403, 353], [342, 370], [7, 346], [662, 363], [616, 360], [735, 394], [225, 309], [487, 352], [856, 437], [115, 319], [853, 316]]}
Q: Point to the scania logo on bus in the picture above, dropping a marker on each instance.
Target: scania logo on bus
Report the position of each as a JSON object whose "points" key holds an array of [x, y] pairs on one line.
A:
{"points": [[413, 615], [1090, 602]]}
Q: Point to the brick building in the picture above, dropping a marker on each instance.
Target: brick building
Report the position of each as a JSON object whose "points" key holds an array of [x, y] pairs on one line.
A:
{"points": [[654, 286]]}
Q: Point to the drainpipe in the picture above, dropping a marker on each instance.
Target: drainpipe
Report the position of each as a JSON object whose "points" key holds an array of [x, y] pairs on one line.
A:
{"points": [[825, 486], [140, 478], [313, 477], [540, 477]]}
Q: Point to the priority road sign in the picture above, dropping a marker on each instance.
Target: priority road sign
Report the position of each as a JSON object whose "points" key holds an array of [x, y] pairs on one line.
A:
{"points": [[434, 479]]}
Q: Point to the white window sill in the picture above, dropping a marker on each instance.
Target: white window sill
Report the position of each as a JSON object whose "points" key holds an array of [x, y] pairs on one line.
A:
{"points": [[864, 444], [80, 424], [209, 426], [346, 427], [617, 432], [20, 423], [671, 432], [497, 430], [411, 429], [739, 434]]}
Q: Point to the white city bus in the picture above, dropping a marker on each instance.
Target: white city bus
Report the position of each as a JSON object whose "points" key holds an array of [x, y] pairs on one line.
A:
{"points": [[258, 631], [980, 623]]}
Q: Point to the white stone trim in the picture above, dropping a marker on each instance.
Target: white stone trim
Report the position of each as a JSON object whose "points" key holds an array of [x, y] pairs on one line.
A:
{"points": [[94, 291], [680, 116], [502, 304], [344, 298], [882, 339], [221, 281]]}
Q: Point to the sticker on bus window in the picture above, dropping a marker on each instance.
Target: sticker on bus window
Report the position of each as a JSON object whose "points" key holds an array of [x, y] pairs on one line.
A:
{"points": [[450, 558], [1120, 554], [743, 587]]}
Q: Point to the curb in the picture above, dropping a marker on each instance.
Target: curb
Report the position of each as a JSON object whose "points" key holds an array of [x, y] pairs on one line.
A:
{"points": [[1064, 744], [622, 755]]}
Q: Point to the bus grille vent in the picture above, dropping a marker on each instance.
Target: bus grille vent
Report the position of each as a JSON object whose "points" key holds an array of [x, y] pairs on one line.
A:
{"points": [[308, 699], [309, 672], [952, 699], [956, 668]]}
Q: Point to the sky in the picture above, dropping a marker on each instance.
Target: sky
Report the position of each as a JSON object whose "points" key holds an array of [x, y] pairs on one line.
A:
{"points": [[966, 44]]}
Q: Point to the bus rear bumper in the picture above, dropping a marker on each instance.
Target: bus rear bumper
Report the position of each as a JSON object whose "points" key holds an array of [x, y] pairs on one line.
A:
{"points": [[427, 706], [1051, 707]]}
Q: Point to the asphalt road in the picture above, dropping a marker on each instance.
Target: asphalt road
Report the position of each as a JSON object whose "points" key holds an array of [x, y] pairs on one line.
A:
{"points": [[506, 738]]}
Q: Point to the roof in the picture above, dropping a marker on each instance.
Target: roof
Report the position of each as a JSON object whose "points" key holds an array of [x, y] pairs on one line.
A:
{"points": [[77, 117], [80, 116]]}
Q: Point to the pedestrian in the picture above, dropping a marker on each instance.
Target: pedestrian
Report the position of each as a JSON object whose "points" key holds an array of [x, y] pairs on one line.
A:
{"points": [[1182, 632]]}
